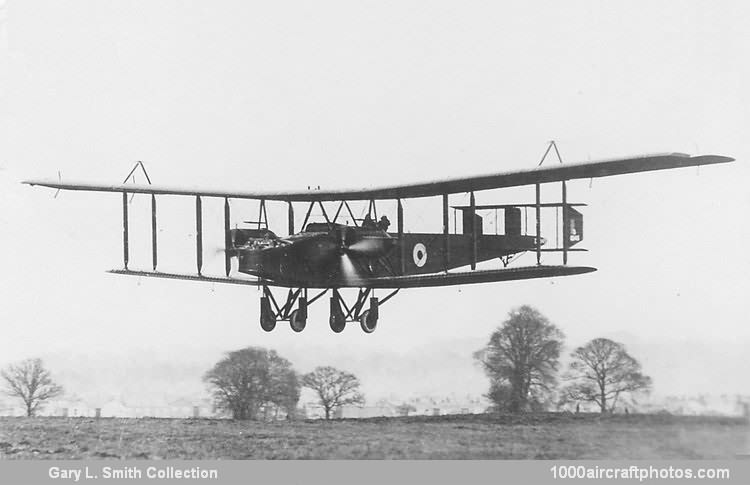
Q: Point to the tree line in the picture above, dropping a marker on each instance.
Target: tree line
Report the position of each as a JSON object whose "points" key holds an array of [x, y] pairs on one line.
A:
{"points": [[522, 361], [249, 383], [253, 382]]}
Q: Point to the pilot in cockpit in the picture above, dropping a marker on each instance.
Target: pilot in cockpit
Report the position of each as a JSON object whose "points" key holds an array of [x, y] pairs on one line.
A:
{"points": [[384, 223], [368, 223]]}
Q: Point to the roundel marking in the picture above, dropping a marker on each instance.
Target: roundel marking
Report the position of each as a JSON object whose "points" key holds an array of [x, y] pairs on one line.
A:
{"points": [[419, 254]]}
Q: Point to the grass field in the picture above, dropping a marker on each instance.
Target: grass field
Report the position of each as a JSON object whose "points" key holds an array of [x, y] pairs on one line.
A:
{"points": [[558, 436]]}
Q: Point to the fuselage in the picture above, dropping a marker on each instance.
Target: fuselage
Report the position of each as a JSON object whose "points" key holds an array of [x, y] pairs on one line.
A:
{"points": [[331, 256]]}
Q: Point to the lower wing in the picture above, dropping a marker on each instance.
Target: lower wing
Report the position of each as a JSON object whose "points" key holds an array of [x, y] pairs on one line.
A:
{"points": [[410, 281], [471, 277]]}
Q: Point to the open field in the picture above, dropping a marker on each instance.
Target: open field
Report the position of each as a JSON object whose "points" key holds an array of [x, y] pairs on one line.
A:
{"points": [[548, 435]]}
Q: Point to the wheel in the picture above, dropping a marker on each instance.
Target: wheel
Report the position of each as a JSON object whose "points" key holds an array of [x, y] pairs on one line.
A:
{"points": [[267, 324], [368, 321], [337, 322], [267, 319], [297, 321]]}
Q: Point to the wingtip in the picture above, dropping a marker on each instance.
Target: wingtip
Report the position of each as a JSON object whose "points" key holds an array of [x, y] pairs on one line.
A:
{"points": [[724, 159], [709, 159], [576, 270], [34, 182]]}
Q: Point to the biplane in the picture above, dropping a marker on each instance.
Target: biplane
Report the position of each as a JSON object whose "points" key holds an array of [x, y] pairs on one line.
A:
{"points": [[366, 253]]}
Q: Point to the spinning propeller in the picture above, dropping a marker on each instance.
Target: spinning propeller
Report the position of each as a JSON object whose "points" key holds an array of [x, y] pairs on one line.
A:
{"points": [[353, 245], [346, 239]]}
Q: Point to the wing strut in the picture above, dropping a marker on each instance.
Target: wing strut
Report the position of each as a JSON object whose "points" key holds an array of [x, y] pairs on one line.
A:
{"points": [[307, 216], [446, 237], [125, 229], [228, 246], [400, 224], [473, 205], [198, 234], [538, 207], [325, 215], [290, 218], [351, 214], [153, 232], [565, 222]]}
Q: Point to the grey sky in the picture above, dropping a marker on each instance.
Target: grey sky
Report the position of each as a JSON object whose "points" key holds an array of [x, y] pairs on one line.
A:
{"points": [[290, 94]]}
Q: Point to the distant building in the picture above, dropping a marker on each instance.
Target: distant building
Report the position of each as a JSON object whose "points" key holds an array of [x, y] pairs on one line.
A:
{"points": [[364, 412], [118, 407], [71, 407], [685, 405]]}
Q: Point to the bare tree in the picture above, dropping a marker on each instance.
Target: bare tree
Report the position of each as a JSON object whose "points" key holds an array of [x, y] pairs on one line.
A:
{"points": [[521, 360], [31, 382], [601, 371], [334, 387], [253, 379]]}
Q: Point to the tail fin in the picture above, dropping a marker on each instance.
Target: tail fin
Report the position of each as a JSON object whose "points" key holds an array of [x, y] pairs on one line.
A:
{"points": [[574, 229]]}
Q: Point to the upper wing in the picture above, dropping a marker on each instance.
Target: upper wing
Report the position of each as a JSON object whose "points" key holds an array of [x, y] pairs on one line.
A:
{"points": [[543, 174]]}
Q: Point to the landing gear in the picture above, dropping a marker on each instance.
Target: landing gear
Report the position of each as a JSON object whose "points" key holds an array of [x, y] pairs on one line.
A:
{"points": [[340, 313], [298, 318], [368, 321], [267, 318], [271, 312], [337, 320]]}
